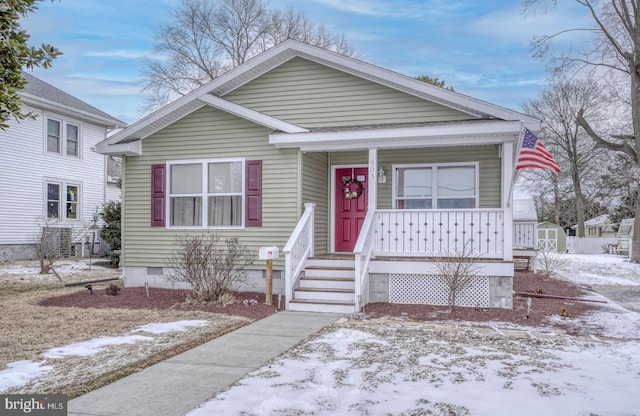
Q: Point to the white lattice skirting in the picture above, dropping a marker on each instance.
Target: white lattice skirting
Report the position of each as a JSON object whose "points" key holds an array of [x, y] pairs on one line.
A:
{"points": [[424, 289]]}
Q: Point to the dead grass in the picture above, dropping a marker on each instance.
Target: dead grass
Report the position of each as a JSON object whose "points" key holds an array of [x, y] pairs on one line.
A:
{"points": [[28, 330]]}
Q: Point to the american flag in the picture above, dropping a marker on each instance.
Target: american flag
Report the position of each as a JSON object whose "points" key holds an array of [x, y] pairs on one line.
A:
{"points": [[533, 154]]}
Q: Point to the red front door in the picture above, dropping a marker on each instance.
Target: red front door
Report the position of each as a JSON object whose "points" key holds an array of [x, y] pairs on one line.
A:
{"points": [[351, 206]]}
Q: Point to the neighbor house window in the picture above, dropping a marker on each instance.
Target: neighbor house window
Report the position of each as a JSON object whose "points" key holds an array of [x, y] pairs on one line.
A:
{"points": [[72, 139], [446, 186], [206, 193], [53, 200], [59, 129], [53, 136], [61, 195]]}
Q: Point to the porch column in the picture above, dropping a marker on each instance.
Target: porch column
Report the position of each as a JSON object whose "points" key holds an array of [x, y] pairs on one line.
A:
{"points": [[508, 168], [373, 179]]}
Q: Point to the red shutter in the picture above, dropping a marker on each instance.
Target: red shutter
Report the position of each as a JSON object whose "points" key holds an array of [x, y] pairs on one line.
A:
{"points": [[253, 193], [157, 195]]}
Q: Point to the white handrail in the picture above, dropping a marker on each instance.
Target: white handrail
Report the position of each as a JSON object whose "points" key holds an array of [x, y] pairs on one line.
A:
{"points": [[363, 251], [298, 249]]}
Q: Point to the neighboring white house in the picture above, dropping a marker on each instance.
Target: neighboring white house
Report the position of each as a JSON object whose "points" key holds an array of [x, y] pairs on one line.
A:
{"points": [[50, 171]]}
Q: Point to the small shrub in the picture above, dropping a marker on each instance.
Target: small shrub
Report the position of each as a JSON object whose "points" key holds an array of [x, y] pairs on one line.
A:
{"points": [[457, 270], [212, 266], [110, 231], [551, 262], [112, 290]]}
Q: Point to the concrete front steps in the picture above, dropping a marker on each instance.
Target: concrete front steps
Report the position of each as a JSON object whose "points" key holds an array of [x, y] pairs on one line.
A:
{"points": [[328, 285]]}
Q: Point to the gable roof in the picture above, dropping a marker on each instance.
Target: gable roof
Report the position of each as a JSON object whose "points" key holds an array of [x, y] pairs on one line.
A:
{"points": [[44, 95], [212, 93]]}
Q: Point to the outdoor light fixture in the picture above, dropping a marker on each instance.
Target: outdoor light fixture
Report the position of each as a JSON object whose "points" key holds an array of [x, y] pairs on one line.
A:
{"points": [[381, 176]]}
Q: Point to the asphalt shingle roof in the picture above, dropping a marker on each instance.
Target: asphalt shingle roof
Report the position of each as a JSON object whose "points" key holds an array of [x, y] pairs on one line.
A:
{"points": [[38, 88]]}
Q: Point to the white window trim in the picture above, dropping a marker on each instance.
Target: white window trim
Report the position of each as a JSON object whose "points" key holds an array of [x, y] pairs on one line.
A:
{"points": [[62, 203], [204, 194], [63, 136], [434, 196]]}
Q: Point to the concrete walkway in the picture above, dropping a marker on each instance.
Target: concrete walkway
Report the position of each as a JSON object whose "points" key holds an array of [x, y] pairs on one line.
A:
{"points": [[182, 383]]}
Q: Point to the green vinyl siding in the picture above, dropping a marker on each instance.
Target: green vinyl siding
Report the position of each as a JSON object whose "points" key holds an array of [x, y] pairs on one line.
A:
{"points": [[209, 134], [315, 189], [487, 156], [311, 95]]}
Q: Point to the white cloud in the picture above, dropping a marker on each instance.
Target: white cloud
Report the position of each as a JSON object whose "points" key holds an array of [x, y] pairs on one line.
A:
{"points": [[118, 53]]}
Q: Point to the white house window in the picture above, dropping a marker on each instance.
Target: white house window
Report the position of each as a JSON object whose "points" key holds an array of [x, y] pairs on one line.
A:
{"points": [[72, 202], [59, 129], [72, 139], [446, 186], [61, 195], [206, 193], [53, 136], [53, 200]]}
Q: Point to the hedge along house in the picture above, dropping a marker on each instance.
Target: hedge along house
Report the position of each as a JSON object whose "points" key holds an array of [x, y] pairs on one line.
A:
{"points": [[363, 178]]}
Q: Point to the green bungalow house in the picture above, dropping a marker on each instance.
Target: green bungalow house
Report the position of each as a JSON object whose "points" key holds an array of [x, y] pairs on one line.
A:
{"points": [[361, 177]]}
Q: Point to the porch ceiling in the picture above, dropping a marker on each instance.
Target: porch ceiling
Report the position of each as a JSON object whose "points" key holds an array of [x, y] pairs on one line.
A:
{"points": [[394, 137]]}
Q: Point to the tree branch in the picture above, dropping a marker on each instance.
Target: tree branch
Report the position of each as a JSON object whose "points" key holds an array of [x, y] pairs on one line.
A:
{"points": [[600, 142]]}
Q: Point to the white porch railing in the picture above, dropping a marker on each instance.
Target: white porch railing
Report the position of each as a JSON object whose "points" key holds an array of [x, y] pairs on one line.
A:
{"points": [[363, 252], [525, 234], [297, 250], [434, 233]]}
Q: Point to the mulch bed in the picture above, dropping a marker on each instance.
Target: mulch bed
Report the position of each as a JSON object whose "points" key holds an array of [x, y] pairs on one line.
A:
{"points": [[248, 304], [523, 282], [252, 305]]}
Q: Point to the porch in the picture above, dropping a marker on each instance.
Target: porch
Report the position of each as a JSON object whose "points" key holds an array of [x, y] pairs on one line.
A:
{"points": [[396, 260]]}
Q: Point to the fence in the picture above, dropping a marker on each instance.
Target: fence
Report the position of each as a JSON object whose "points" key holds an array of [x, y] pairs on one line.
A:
{"points": [[579, 245]]}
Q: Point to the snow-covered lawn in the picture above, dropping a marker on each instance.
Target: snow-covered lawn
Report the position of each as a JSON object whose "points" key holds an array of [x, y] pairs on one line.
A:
{"points": [[395, 368], [21, 373]]}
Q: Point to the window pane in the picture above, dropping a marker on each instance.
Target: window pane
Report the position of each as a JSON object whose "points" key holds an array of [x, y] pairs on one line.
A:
{"points": [[186, 179], [414, 182], [186, 211], [415, 204], [457, 203], [53, 136], [72, 202], [53, 200], [225, 177], [225, 210], [72, 140], [456, 181]]}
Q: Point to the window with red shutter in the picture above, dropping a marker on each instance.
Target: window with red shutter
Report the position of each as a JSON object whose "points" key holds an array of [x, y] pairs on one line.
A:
{"points": [[158, 178], [253, 193]]}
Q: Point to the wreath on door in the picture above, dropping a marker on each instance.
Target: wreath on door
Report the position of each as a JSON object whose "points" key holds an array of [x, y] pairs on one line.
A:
{"points": [[352, 189]]}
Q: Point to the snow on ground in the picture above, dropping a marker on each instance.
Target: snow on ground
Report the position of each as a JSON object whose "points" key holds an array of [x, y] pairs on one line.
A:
{"points": [[19, 373], [420, 371], [373, 369], [598, 269], [611, 320]]}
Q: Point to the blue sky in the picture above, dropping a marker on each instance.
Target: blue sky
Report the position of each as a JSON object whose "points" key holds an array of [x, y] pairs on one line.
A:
{"points": [[480, 48]]}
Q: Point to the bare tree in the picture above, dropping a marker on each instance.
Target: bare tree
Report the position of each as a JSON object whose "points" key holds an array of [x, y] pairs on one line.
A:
{"points": [[55, 240], [616, 53], [212, 266], [206, 39], [558, 106], [458, 270]]}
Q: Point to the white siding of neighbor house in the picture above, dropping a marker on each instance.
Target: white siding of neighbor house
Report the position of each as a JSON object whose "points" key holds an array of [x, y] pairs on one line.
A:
{"points": [[27, 166]]}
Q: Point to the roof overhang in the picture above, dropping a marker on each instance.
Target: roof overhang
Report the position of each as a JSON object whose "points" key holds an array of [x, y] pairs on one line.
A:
{"points": [[132, 148], [49, 105], [468, 134]]}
